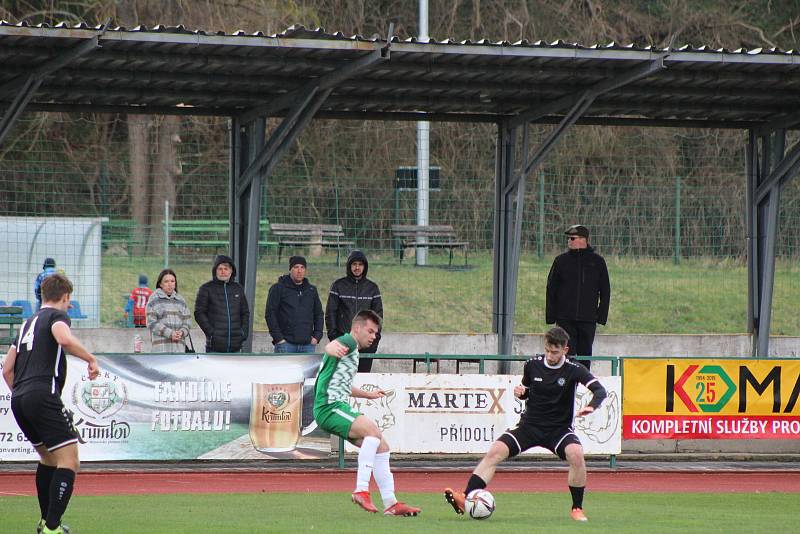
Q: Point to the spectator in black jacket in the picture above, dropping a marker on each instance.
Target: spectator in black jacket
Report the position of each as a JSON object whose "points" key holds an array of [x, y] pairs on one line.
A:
{"points": [[348, 296], [294, 312], [221, 309], [578, 292]]}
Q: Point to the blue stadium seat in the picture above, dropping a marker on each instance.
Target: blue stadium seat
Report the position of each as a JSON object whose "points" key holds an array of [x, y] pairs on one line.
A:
{"points": [[27, 309], [75, 311]]}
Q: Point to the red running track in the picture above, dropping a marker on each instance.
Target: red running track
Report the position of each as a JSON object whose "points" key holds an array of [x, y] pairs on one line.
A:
{"points": [[126, 483]]}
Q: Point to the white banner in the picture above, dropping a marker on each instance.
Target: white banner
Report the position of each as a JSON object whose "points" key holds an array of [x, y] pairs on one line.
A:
{"points": [[186, 406], [424, 413]]}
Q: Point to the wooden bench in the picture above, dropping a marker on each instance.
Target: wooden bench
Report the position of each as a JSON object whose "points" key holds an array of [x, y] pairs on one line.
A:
{"points": [[310, 235], [208, 233], [438, 236], [10, 316]]}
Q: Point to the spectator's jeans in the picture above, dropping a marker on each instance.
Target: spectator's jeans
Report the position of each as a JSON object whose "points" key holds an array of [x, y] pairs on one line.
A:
{"points": [[291, 348]]}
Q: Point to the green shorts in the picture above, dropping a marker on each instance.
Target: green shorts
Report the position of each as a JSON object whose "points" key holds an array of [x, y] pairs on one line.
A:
{"points": [[336, 418]]}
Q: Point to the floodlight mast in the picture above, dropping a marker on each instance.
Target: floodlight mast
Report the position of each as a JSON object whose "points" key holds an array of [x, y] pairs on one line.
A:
{"points": [[423, 156]]}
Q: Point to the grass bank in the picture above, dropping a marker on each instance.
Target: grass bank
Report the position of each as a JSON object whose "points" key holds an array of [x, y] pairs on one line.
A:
{"points": [[648, 296]]}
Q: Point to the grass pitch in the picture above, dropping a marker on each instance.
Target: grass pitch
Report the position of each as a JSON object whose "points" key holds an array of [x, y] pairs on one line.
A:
{"points": [[333, 512]]}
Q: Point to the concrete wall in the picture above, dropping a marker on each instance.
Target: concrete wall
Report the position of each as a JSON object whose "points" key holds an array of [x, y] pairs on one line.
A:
{"points": [[110, 340]]}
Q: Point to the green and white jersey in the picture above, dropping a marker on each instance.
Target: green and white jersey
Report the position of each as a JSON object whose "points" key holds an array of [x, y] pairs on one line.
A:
{"points": [[335, 378]]}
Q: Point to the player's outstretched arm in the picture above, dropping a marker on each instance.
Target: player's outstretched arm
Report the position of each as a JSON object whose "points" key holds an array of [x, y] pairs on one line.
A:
{"points": [[72, 345], [8, 367], [598, 396], [376, 393], [336, 349]]}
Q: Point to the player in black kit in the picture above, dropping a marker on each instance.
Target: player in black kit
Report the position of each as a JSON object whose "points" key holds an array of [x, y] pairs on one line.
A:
{"points": [[35, 370], [548, 387]]}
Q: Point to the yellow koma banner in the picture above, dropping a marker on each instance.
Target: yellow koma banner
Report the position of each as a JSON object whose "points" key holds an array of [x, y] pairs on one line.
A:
{"points": [[711, 398]]}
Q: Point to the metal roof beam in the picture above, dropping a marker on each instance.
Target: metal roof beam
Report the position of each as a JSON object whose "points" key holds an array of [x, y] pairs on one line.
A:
{"points": [[53, 64], [104, 95], [403, 116], [787, 121], [609, 84], [322, 83], [144, 94], [26, 86], [303, 108], [277, 138], [264, 62], [709, 109], [783, 172], [17, 106]]}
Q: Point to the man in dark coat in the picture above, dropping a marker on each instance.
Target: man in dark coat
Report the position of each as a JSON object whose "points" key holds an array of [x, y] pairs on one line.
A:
{"points": [[578, 292], [221, 309], [294, 311], [348, 296]]}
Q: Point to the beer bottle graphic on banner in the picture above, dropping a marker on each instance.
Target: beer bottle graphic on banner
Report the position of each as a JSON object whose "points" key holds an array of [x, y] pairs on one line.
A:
{"points": [[276, 411]]}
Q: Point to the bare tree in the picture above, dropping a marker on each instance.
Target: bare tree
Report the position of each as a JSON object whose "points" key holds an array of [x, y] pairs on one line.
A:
{"points": [[165, 171], [138, 147]]}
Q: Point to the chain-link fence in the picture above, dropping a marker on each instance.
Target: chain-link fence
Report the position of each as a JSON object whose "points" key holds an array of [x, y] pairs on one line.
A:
{"points": [[112, 197]]}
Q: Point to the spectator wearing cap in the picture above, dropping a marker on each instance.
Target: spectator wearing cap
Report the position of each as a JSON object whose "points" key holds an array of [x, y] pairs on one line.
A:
{"points": [[221, 309], [294, 311], [48, 269], [578, 292]]}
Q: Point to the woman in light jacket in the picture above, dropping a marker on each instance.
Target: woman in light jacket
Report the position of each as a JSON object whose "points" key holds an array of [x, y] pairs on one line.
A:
{"points": [[168, 315]]}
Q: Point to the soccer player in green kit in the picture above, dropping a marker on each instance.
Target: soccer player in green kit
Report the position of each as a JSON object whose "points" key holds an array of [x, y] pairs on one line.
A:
{"points": [[333, 414]]}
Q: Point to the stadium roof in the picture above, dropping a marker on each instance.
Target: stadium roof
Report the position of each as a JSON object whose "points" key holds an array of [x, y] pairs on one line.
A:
{"points": [[173, 70]]}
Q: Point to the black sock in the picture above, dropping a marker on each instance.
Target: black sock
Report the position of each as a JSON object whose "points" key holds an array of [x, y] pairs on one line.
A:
{"points": [[60, 492], [475, 482], [44, 475], [577, 496]]}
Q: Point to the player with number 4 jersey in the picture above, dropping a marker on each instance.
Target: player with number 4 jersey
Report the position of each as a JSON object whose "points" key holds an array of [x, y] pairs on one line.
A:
{"points": [[35, 369]]}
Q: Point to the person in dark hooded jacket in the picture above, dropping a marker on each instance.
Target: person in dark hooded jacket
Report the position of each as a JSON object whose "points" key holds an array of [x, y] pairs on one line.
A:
{"points": [[578, 292], [294, 311], [221, 309], [348, 296]]}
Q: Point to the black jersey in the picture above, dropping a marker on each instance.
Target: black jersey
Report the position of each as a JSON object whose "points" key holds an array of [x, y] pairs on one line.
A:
{"points": [[550, 401], [41, 363]]}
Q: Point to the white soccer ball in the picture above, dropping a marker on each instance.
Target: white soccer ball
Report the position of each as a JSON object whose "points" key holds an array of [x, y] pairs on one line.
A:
{"points": [[479, 504]]}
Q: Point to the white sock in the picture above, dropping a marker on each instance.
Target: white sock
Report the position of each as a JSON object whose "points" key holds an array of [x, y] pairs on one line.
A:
{"points": [[366, 460], [385, 479]]}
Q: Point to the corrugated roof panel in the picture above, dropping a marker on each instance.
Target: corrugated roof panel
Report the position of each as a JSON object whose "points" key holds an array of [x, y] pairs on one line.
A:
{"points": [[165, 67]]}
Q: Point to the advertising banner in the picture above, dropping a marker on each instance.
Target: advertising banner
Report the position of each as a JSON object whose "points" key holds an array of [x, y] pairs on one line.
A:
{"points": [[424, 413], [186, 406], [711, 399]]}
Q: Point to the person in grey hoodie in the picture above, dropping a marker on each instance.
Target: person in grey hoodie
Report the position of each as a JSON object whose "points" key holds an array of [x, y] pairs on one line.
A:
{"points": [[221, 309], [294, 311]]}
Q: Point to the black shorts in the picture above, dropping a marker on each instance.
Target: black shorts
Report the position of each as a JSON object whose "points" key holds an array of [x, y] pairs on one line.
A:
{"points": [[522, 437], [44, 420]]}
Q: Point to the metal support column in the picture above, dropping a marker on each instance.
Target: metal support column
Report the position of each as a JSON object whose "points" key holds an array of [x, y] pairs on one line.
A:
{"points": [[26, 86], [769, 169], [245, 210], [503, 268], [510, 184], [252, 161], [246, 188]]}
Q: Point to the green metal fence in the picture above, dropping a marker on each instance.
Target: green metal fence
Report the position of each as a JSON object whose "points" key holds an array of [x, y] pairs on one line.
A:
{"points": [[665, 207]]}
